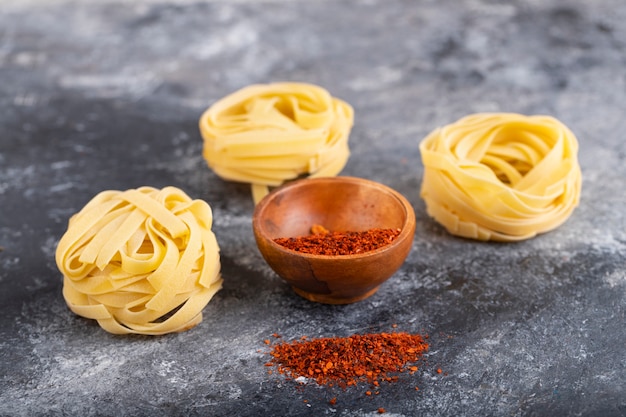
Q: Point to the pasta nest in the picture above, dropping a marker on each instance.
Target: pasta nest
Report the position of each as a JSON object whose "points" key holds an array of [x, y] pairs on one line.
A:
{"points": [[140, 261], [501, 176], [266, 134]]}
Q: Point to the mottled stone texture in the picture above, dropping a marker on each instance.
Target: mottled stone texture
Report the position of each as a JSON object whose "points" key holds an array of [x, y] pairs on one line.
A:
{"points": [[107, 94]]}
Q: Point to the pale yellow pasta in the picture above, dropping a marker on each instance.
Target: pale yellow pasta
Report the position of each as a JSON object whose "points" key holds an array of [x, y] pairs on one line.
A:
{"points": [[141, 261], [501, 176], [266, 134]]}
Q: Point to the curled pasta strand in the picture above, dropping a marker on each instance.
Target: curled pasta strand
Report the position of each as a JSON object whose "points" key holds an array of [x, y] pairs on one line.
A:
{"points": [[140, 261], [501, 176], [266, 134]]}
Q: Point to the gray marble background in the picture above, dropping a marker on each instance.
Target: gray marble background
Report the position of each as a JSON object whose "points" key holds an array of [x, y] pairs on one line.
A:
{"points": [[106, 94]]}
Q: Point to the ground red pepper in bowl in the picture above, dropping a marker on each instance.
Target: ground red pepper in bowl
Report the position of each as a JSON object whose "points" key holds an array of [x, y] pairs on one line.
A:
{"points": [[339, 204], [324, 242]]}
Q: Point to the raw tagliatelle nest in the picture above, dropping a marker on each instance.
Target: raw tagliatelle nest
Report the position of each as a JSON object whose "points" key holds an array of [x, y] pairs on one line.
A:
{"points": [[501, 176], [266, 134], [140, 261]]}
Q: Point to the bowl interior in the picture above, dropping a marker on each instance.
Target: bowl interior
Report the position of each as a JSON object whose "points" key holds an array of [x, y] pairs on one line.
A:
{"points": [[337, 203]]}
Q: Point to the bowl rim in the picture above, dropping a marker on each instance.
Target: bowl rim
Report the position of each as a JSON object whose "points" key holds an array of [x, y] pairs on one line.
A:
{"points": [[406, 232]]}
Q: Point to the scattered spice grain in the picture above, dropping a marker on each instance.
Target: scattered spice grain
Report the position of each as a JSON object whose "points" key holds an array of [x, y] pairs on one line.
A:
{"points": [[324, 242]]}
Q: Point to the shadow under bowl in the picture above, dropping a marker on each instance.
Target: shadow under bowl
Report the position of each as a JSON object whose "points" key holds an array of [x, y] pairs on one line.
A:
{"points": [[338, 204]]}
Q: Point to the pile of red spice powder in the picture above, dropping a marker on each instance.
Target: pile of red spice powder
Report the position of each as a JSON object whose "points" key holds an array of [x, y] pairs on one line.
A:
{"points": [[346, 361], [323, 242]]}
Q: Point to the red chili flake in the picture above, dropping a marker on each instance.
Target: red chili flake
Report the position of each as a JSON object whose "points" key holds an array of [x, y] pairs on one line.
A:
{"points": [[333, 401], [439, 370], [318, 229], [345, 361], [381, 410], [340, 243]]}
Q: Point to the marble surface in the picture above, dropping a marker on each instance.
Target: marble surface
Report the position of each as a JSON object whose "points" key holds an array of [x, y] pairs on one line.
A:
{"points": [[107, 95]]}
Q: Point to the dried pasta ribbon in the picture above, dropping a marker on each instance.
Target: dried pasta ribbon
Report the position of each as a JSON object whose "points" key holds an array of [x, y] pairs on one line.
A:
{"points": [[266, 134], [501, 176], [141, 261]]}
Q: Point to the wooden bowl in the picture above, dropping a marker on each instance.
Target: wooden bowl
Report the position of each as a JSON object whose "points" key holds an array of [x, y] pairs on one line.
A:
{"points": [[338, 204]]}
